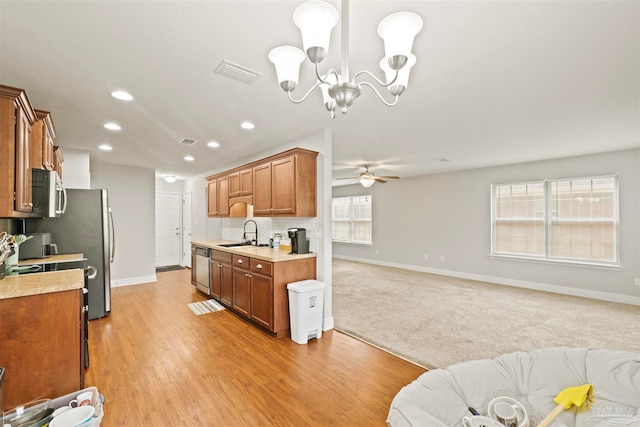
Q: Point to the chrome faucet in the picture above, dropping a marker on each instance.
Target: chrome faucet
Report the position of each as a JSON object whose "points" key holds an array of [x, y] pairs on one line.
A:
{"points": [[244, 233]]}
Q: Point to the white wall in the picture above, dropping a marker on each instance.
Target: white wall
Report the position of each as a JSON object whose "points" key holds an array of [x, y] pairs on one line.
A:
{"points": [[76, 169], [449, 215], [132, 199], [204, 228]]}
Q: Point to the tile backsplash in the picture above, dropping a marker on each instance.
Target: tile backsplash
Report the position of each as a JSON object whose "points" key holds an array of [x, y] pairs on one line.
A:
{"points": [[232, 229]]}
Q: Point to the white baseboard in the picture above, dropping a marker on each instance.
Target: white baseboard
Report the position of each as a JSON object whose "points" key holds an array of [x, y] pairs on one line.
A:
{"points": [[133, 281], [564, 290], [327, 323]]}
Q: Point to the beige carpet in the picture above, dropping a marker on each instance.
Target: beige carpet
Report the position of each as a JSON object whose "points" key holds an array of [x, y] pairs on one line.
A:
{"points": [[436, 321]]}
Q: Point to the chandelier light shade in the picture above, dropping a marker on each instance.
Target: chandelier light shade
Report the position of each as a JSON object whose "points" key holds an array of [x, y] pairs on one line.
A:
{"points": [[398, 31], [316, 19], [287, 60], [399, 80]]}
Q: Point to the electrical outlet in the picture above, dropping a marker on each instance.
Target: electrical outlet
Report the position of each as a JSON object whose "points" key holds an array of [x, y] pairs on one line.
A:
{"points": [[426, 257], [441, 258], [377, 251], [637, 281]]}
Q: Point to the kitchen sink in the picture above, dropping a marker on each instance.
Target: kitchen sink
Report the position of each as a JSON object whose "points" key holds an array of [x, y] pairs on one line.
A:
{"points": [[233, 245]]}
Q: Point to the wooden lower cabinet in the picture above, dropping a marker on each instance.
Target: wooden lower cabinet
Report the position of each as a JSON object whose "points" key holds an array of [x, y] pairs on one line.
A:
{"points": [[41, 346], [260, 290], [221, 280]]}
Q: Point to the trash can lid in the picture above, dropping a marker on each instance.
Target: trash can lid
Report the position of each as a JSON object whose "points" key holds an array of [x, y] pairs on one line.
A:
{"points": [[305, 285]]}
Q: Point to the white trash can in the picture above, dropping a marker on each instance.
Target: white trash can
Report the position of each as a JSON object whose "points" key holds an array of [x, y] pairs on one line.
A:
{"points": [[306, 300]]}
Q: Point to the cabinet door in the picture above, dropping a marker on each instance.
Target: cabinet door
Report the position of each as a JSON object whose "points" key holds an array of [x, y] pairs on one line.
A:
{"points": [[215, 279], [246, 182], [38, 138], [223, 196], [47, 151], [234, 184], [262, 189], [262, 300], [226, 284], [241, 292], [23, 202], [212, 198], [283, 189]]}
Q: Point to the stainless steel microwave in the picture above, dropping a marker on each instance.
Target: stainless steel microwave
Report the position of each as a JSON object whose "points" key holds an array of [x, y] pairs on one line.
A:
{"points": [[49, 197]]}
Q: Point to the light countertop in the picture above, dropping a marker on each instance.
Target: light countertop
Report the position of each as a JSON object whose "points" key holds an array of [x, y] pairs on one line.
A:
{"points": [[264, 253], [53, 259], [41, 283]]}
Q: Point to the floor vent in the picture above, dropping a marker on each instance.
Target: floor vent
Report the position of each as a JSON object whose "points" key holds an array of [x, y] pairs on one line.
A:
{"points": [[187, 141], [237, 72]]}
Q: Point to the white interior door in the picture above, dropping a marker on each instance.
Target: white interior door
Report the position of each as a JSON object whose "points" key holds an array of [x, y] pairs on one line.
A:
{"points": [[186, 229], [168, 229]]}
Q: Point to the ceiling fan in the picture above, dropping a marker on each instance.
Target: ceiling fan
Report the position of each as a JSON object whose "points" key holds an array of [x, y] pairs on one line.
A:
{"points": [[367, 178]]}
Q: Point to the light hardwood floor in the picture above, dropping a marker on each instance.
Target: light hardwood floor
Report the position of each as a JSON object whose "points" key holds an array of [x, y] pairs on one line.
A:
{"points": [[158, 364]]}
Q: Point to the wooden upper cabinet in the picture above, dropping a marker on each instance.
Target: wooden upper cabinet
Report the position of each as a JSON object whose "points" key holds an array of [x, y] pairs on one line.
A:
{"points": [[212, 197], [280, 185], [58, 159], [262, 190], [42, 136], [241, 183], [286, 186], [16, 119], [223, 196], [218, 196]]}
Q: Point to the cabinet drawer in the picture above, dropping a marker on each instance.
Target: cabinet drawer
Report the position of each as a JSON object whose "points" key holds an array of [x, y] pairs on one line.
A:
{"points": [[241, 261], [260, 266], [221, 256]]}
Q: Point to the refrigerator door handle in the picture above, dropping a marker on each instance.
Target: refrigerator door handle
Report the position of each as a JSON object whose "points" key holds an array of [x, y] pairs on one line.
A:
{"points": [[112, 236]]}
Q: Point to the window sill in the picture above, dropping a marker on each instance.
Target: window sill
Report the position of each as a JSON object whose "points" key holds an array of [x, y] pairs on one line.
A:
{"points": [[616, 267], [352, 243]]}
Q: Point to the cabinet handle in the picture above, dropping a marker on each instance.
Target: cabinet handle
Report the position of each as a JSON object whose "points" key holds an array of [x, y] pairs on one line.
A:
{"points": [[239, 261], [220, 265], [259, 266]]}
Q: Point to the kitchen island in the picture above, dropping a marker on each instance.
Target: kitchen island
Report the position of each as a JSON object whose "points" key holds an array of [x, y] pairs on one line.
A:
{"points": [[41, 331], [252, 281]]}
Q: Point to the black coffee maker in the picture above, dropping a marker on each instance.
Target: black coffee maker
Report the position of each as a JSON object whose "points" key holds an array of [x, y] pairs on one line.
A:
{"points": [[299, 242]]}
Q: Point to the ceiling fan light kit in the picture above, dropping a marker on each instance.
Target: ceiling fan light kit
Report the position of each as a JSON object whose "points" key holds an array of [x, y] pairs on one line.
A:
{"points": [[367, 178], [316, 19]]}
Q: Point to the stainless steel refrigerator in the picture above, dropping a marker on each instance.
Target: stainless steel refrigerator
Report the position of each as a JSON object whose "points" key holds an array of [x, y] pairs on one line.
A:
{"points": [[86, 226]]}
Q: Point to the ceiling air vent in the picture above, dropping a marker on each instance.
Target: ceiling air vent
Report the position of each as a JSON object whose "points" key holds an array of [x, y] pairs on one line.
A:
{"points": [[187, 141], [237, 72]]}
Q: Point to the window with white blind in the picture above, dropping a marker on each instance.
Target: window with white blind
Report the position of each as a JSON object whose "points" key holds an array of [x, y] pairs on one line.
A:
{"points": [[570, 220], [351, 217]]}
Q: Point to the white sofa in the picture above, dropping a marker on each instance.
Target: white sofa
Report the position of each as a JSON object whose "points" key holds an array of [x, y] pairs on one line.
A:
{"points": [[441, 397]]}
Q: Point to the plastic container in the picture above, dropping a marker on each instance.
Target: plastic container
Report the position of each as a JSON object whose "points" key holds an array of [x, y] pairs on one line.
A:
{"points": [[306, 301]]}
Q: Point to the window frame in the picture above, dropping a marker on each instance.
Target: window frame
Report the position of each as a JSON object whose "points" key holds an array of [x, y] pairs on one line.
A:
{"points": [[352, 221], [548, 218]]}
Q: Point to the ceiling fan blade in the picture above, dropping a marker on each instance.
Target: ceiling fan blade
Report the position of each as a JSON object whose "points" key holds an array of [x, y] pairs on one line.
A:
{"points": [[390, 177], [378, 179], [352, 177]]}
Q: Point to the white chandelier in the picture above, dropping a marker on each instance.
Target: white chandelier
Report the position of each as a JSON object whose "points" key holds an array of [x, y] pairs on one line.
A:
{"points": [[316, 19]]}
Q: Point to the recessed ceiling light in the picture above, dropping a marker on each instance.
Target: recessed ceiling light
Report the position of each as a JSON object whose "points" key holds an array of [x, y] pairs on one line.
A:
{"points": [[213, 144], [105, 147], [112, 126], [445, 159], [247, 125], [170, 178], [122, 95], [189, 158]]}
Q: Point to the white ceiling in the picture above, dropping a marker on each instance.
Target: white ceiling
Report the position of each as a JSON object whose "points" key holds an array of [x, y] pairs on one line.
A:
{"points": [[496, 82]]}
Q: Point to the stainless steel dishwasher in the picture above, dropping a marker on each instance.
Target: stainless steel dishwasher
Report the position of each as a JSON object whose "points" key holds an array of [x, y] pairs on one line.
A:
{"points": [[202, 270]]}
